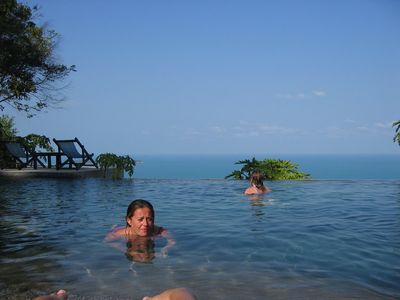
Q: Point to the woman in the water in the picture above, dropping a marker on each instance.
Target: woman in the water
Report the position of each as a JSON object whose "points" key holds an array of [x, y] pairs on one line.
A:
{"points": [[256, 184], [140, 231]]}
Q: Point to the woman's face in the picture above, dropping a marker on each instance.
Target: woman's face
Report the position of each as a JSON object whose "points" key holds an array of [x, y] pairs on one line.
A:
{"points": [[141, 223]]}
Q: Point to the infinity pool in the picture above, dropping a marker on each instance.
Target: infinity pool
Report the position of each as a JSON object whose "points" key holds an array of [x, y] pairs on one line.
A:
{"points": [[305, 240]]}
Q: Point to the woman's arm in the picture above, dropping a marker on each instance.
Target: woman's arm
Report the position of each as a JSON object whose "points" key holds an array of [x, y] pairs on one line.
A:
{"points": [[170, 242], [115, 234]]}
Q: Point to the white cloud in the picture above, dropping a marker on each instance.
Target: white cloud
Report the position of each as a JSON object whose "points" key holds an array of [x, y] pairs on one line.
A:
{"points": [[383, 124], [302, 95], [285, 96], [319, 93], [273, 129], [254, 133], [354, 128], [192, 131], [218, 129]]}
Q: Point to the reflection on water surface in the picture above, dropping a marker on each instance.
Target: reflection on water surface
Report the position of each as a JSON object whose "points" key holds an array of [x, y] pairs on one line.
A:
{"points": [[305, 240]]}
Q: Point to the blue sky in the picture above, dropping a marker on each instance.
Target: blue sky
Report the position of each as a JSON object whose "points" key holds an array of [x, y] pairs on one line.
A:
{"points": [[313, 76]]}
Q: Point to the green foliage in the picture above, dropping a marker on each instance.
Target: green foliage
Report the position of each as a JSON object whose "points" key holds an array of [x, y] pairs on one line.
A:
{"points": [[273, 169], [396, 138], [33, 141], [118, 163], [28, 68], [7, 128], [7, 132]]}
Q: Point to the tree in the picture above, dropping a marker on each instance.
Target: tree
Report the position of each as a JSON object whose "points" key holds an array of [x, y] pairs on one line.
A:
{"points": [[273, 169], [7, 132], [7, 128], [28, 68], [396, 138]]}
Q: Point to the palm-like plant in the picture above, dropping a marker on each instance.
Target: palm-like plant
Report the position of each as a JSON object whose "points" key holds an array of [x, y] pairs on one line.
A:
{"points": [[118, 164], [273, 169], [396, 138]]}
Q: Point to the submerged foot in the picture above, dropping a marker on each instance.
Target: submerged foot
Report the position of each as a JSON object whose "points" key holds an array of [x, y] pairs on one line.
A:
{"points": [[60, 295]]}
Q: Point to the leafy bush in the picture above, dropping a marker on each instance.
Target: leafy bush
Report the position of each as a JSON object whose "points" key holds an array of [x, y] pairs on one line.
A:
{"points": [[273, 169], [33, 141], [119, 164]]}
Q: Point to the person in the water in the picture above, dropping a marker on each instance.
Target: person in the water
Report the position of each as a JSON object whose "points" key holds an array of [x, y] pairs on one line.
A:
{"points": [[60, 295], [256, 184], [139, 233], [170, 294]]}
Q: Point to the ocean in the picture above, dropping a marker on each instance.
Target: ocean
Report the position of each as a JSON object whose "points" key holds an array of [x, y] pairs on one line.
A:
{"points": [[319, 166]]}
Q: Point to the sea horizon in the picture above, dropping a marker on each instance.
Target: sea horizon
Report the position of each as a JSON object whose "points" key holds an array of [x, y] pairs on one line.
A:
{"points": [[217, 166]]}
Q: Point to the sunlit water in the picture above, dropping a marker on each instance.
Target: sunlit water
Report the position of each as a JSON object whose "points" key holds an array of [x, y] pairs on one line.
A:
{"points": [[306, 240]]}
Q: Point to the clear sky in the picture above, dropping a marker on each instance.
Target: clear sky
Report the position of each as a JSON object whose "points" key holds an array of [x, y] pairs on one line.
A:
{"points": [[210, 76]]}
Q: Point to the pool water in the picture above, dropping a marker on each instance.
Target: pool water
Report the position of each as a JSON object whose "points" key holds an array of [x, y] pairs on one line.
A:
{"points": [[328, 239]]}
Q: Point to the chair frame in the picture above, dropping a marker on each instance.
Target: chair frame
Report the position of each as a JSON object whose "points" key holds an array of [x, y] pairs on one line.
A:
{"points": [[30, 157], [87, 158]]}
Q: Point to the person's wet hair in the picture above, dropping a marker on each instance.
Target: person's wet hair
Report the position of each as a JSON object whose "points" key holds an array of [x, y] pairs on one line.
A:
{"points": [[136, 204], [257, 178]]}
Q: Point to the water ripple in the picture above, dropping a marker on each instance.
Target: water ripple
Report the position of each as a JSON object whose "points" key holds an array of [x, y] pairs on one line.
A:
{"points": [[297, 242]]}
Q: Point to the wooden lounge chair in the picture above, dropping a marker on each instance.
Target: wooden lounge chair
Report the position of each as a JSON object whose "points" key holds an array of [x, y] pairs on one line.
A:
{"points": [[75, 158], [23, 155]]}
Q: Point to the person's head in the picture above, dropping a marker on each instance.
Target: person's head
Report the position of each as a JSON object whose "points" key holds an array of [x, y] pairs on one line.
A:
{"points": [[140, 217], [256, 179]]}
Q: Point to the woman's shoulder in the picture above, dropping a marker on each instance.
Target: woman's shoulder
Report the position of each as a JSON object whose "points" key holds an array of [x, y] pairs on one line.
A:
{"points": [[250, 191], [116, 233], [253, 190]]}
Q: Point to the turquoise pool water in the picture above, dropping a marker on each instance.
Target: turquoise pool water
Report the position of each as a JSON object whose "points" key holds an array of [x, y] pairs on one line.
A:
{"points": [[328, 239]]}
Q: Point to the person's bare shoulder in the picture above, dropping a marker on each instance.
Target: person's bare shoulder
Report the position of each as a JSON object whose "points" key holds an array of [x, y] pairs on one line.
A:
{"points": [[250, 191], [115, 234]]}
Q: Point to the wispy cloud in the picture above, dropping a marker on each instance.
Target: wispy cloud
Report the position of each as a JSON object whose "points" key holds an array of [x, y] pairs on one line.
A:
{"points": [[319, 93], [218, 129], [302, 95], [351, 127], [383, 124], [273, 129], [253, 130], [193, 132]]}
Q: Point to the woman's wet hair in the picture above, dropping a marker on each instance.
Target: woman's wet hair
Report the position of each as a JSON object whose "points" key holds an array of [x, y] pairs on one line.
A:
{"points": [[257, 178], [136, 204]]}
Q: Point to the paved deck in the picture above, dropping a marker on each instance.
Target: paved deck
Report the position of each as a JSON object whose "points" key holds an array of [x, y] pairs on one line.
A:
{"points": [[51, 173]]}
